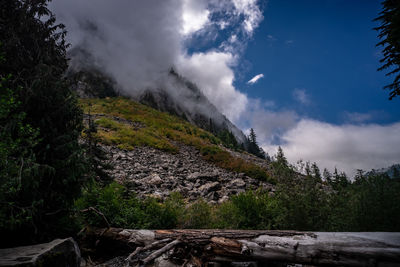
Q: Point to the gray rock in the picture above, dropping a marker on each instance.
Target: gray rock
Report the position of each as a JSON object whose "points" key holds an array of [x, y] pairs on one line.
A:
{"points": [[193, 176], [59, 252], [153, 179], [206, 188], [237, 183], [147, 170]]}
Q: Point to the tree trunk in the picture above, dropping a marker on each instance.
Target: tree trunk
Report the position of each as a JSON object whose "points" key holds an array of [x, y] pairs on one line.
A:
{"points": [[198, 247]]}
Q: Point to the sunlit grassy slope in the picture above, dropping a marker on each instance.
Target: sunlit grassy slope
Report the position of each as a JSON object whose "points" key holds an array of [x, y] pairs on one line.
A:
{"points": [[128, 124]]}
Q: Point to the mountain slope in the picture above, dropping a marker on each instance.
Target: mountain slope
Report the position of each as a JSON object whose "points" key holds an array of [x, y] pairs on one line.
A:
{"points": [[170, 93], [159, 152]]}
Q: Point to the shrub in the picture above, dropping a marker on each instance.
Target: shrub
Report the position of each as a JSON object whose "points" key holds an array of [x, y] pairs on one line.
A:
{"points": [[198, 215], [112, 205], [109, 205], [248, 210]]}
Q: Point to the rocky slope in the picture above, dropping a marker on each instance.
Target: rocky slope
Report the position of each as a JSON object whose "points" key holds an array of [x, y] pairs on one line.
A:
{"points": [[148, 171], [155, 153]]}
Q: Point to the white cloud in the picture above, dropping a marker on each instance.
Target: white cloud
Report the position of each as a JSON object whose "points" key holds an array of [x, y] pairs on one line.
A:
{"points": [[255, 78], [301, 96], [195, 16], [271, 38], [136, 42], [212, 72], [347, 147], [268, 124], [288, 42], [252, 13]]}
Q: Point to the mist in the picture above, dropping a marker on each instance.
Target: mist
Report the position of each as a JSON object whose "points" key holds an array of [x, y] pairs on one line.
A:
{"points": [[138, 42], [135, 42]]}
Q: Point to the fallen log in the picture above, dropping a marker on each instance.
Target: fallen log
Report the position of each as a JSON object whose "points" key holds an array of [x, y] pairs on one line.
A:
{"points": [[201, 246]]}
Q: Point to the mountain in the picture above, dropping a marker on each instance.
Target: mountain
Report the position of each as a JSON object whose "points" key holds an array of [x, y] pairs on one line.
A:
{"points": [[174, 94]]}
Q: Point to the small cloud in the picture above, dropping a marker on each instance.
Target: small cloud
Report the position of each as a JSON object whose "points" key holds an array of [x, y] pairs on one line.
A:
{"points": [[255, 78], [269, 104], [357, 117], [271, 38], [289, 42], [233, 38], [222, 24], [301, 96], [364, 117]]}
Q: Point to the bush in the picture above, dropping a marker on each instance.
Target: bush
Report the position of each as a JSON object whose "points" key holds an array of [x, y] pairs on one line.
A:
{"points": [[198, 215], [110, 205], [248, 210], [158, 215], [113, 206]]}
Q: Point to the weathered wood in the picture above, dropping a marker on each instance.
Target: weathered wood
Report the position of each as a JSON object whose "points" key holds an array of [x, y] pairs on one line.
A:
{"points": [[160, 251], [155, 244], [316, 248]]}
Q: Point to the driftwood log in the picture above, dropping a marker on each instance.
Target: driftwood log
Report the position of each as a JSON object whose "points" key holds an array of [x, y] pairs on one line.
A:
{"points": [[197, 247]]}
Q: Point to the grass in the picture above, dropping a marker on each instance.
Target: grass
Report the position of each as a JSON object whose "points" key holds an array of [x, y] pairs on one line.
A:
{"points": [[160, 130]]}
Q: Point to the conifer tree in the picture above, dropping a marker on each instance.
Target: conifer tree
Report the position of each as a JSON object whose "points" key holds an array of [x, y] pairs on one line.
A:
{"points": [[253, 145], [35, 60], [389, 33]]}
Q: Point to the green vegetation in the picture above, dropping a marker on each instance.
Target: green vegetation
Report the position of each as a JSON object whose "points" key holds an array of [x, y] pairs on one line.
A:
{"points": [[389, 32], [42, 165], [228, 139], [253, 146], [225, 160], [370, 203], [144, 126]]}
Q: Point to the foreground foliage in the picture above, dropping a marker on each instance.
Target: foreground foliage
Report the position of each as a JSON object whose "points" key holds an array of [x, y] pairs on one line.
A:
{"points": [[389, 33], [370, 203], [42, 166]]}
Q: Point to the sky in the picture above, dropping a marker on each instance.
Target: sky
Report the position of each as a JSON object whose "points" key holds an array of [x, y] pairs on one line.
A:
{"points": [[303, 74]]}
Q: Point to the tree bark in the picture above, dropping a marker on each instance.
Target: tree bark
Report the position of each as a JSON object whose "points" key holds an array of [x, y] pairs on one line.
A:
{"points": [[315, 248]]}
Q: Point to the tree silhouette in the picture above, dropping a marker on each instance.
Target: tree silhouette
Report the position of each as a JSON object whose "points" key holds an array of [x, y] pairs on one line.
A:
{"points": [[253, 145], [389, 33]]}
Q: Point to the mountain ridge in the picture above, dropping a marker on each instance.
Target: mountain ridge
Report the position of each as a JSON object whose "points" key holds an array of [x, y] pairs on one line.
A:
{"points": [[174, 94]]}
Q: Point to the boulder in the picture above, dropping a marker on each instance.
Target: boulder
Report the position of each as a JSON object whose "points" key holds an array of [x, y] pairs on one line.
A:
{"points": [[237, 183], [154, 179], [206, 188], [59, 252]]}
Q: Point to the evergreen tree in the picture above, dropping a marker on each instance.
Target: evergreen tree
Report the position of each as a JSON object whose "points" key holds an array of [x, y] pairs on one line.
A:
{"points": [[327, 176], [35, 53], [228, 139], [280, 157], [17, 161], [389, 32], [316, 172], [253, 147]]}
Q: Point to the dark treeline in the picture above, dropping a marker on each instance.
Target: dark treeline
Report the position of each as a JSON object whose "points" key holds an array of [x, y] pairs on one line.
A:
{"points": [[311, 202], [42, 165]]}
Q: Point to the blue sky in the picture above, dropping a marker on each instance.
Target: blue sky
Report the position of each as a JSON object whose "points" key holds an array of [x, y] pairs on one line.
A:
{"points": [[325, 49], [319, 97]]}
